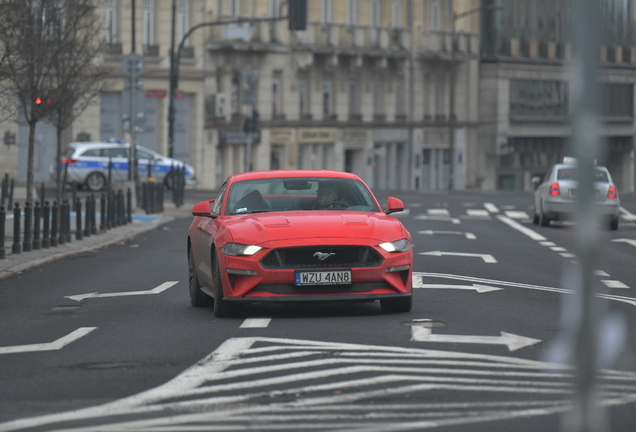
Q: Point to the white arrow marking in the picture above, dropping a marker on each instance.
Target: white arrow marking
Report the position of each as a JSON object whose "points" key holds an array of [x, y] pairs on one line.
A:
{"points": [[161, 288], [614, 284], [474, 287], [468, 235], [486, 257], [50, 346], [628, 241], [512, 341], [627, 215]]}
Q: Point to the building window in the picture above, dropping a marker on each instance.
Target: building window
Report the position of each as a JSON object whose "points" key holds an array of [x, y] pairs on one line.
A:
{"points": [[436, 16], [376, 13], [274, 6], [149, 22], [529, 98], [303, 93], [327, 96], [111, 22], [352, 12], [277, 93], [399, 97], [353, 95], [617, 100], [439, 97], [378, 96], [397, 13], [184, 18], [325, 11]]}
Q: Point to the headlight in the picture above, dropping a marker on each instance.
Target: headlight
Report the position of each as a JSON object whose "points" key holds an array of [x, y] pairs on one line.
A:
{"points": [[237, 249], [397, 246]]}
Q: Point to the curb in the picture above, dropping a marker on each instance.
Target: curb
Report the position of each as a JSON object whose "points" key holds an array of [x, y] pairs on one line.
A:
{"points": [[114, 238]]}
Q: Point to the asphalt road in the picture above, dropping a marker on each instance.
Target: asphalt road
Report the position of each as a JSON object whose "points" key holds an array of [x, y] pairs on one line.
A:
{"points": [[138, 360]]}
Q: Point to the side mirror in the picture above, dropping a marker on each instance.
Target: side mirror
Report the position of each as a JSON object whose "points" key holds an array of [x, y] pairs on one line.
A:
{"points": [[394, 205], [204, 208]]}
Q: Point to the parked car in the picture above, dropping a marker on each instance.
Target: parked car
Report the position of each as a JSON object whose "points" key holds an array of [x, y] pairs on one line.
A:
{"points": [[88, 164], [298, 236], [555, 197]]}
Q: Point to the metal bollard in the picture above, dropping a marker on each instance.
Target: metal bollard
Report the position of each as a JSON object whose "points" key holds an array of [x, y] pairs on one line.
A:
{"points": [[87, 218], [73, 193], [62, 231], [46, 215], [121, 207], [11, 189], [64, 176], [27, 245], [3, 218], [129, 205], [78, 220], [68, 222], [37, 211], [16, 248], [5, 188], [93, 217], [55, 221], [102, 209]]}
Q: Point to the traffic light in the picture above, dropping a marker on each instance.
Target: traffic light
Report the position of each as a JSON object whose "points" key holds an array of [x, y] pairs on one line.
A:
{"points": [[42, 103], [297, 14]]}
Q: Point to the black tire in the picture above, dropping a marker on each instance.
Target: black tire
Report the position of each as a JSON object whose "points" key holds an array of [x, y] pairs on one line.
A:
{"points": [[544, 221], [95, 181], [168, 181], [535, 218], [197, 297], [222, 308], [397, 304], [613, 224]]}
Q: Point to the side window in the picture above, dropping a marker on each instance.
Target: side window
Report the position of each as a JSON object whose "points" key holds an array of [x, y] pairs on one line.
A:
{"points": [[143, 155], [92, 153], [218, 203], [116, 152]]}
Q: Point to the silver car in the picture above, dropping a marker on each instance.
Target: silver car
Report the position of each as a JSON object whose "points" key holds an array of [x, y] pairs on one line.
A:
{"points": [[88, 164], [555, 197]]}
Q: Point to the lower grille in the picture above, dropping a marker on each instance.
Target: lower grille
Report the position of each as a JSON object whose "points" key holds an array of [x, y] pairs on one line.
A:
{"points": [[333, 256]]}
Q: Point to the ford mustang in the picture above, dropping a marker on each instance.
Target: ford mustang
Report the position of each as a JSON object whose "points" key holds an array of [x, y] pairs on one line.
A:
{"points": [[298, 236]]}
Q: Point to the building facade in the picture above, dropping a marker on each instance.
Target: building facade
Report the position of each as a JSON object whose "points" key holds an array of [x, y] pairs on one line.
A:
{"points": [[526, 90]]}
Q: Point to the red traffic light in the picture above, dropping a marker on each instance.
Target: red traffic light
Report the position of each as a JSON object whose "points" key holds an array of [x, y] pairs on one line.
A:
{"points": [[48, 101], [38, 100]]}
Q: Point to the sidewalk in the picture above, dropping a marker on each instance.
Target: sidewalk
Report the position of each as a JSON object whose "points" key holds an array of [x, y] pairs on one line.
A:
{"points": [[16, 263]]}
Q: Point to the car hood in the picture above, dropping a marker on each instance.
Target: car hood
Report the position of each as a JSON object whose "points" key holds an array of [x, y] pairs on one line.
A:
{"points": [[263, 227]]}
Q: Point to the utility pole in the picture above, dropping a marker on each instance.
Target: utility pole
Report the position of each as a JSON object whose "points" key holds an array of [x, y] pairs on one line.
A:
{"points": [[173, 83], [411, 96], [451, 108]]}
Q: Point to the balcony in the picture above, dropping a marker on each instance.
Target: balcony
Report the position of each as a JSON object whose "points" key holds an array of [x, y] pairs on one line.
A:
{"points": [[151, 50], [441, 42], [114, 48]]}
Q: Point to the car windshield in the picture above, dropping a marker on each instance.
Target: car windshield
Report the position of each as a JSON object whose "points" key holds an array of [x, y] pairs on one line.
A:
{"points": [[600, 176], [300, 193]]}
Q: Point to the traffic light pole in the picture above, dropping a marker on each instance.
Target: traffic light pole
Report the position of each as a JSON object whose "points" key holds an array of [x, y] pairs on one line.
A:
{"points": [[174, 67]]}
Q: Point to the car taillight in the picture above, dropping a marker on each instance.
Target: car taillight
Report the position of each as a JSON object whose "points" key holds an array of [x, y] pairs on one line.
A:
{"points": [[611, 192], [68, 160], [554, 189]]}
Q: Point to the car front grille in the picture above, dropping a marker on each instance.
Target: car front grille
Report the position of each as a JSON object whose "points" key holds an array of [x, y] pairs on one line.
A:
{"points": [[334, 256]]}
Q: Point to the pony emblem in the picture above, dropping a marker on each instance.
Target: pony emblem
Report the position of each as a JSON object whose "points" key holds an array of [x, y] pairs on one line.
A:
{"points": [[323, 256]]}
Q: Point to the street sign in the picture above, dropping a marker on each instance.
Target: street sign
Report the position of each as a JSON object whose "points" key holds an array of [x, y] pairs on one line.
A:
{"points": [[133, 64]]}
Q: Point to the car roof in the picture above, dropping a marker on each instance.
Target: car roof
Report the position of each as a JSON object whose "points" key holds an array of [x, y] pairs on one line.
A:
{"points": [[255, 175], [97, 144]]}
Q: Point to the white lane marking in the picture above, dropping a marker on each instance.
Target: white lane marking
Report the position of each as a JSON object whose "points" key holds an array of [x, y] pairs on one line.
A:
{"points": [[627, 215], [161, 288], [600, 273], [567, 255], [491, 207], [547, 243], [50, 346], [486, 257], [614, 284], [524, 230], [417, 283], [628, 241], [438, 212], [256, 323], [477, 212], [509, 207], [512, 341], [468, 235], [622, 299], [512, 214], [558, 249], [438, 218]]}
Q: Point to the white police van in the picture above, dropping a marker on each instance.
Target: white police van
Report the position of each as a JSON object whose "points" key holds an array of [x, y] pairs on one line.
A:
{"points": [[87, 164]]}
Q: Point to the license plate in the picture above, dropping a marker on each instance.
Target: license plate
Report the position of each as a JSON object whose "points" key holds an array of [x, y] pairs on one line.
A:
{"points": [[323, 277]]}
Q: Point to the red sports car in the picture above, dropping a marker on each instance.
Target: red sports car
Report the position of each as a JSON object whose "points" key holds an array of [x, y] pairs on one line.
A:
{"points": [[298, 235]]}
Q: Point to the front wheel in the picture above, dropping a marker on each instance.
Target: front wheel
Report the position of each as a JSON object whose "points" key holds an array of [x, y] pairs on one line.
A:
{"points": [[95, 181], [197, 297], [397, 304], [613, 225]]}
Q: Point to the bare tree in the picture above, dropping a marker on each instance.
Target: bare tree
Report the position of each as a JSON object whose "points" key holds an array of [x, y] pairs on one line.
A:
{"points": [[77, 78]]}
